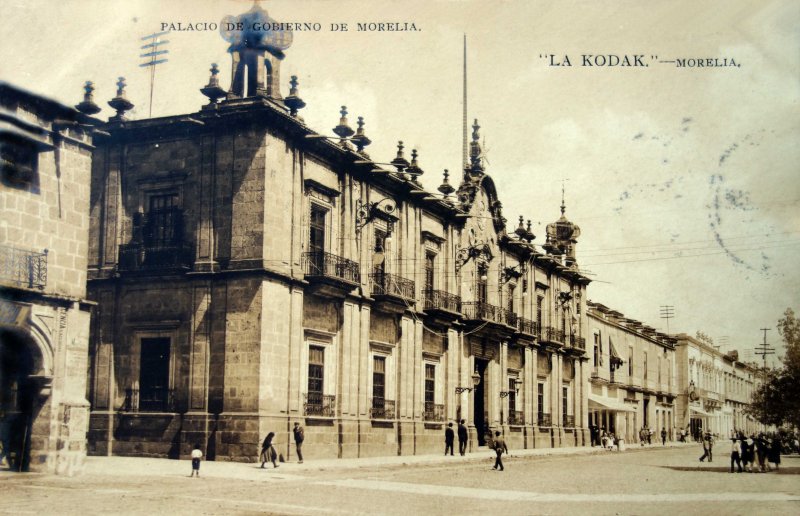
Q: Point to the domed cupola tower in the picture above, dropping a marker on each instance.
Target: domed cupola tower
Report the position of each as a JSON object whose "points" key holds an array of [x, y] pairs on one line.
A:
{"points": [[562, 235], [257, 51]]}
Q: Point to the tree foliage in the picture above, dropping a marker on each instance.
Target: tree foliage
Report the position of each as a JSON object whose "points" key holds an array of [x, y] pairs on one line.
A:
{"points": [[777, 400]]}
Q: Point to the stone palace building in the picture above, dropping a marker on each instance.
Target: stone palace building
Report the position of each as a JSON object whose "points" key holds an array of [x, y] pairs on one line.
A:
{"points": [[251, 273], [45, 165]]}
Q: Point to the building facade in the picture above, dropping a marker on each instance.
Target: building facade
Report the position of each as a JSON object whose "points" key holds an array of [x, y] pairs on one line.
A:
{"points": [[633, 384], [251, 273], [714, 389], [45, 164]]}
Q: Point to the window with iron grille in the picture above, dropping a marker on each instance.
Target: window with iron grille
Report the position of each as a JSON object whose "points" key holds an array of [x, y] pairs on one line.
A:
{"points": [[540, 400], [316, 372], [164, 222], [378, 381], [430, 259], [430, 383]]}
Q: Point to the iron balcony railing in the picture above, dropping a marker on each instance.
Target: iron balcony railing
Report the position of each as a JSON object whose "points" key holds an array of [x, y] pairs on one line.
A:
{"points": [[318, 404], [528, 327], [384, 284], [441, 300], [516, 418], [553, 335], [478, 310], [328, 265], [577, 342], [157, 399], [544, 419], [140, 257], [569, 421], [23, 268], [433, 412], [381, 409]]}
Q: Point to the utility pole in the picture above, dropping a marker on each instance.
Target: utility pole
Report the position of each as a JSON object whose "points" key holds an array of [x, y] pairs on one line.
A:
{"points": [[763, 349], [667, 312]]}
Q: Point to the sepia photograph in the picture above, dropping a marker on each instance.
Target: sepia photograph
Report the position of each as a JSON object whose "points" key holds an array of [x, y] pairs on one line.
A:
{"points": [[399, 257]]}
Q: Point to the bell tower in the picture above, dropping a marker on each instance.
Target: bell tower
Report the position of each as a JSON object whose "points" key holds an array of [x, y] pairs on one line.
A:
{"points": [[256, 53]]}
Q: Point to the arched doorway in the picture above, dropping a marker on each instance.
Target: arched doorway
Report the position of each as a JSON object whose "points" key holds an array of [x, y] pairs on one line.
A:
{"points": [[18, 397]]}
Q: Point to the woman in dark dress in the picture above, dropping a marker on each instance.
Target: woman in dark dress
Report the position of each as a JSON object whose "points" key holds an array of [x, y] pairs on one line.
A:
{"points": [[774, 452], [268, 453]]}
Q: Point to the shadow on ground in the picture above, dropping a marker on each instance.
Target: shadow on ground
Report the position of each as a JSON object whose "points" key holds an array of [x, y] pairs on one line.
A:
{"points": [[717, 469]]}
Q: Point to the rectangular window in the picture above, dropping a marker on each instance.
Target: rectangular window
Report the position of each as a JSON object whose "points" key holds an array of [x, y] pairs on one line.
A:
{"points": [[539, 315], [510, 300], [378, 381], [512, 395], [316, 234], [659, 371], [164, 223], [644, 366], [316, 373], [564, 405], [482, 285], [630, 360], [18, 163], [154, 392], [540, 400], [430, 383], [429, 264], [380, 248]]}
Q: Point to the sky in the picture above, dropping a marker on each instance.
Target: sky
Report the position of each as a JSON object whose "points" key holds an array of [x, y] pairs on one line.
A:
{"points": [[683, 180]]}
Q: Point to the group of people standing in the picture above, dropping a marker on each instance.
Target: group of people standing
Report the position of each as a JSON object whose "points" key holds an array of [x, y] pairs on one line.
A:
{"points": [[755, 453]]}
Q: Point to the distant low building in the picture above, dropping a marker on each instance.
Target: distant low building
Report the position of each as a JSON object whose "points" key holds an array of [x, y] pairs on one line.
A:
{"points": [[45, 166], [714, 389]]}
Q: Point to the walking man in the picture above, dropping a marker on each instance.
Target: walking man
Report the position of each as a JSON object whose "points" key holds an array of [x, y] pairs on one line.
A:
{"points": [[449, 436], [707, 444], [663, 436], [299, 436], [499, 448], [462, 438]]}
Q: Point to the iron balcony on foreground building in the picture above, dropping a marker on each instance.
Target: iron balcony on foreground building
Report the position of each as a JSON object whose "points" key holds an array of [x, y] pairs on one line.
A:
{"points": [[136, 257], [149, 400], [320, 405], [433, 412], [330, 268], [544, 419], [516, 418], [480, 311], [441, 300], [527, 327], [381, 409], [23, 268]]}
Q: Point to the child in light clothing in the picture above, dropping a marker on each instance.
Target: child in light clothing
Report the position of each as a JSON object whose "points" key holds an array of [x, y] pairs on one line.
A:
{"points": [[197, 454]]}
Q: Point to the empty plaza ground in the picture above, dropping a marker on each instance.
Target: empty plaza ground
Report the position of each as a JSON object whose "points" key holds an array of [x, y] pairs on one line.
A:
{"points": [[570, 481]]}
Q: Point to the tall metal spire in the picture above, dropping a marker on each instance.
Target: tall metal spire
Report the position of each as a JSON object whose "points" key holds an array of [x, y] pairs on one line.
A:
{"points": [[464, 161]]}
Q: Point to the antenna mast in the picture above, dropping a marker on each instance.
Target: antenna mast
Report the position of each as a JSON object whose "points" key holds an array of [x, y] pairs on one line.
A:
{"points": [[464, 117], [153, 51]]}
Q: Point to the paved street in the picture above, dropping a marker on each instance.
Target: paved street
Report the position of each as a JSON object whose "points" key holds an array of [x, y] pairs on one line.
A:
{"points": [[650, 481]]}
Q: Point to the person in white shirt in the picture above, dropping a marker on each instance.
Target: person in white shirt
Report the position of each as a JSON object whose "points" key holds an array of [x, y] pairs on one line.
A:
{"points": [[197, 454], [736, 454]]}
